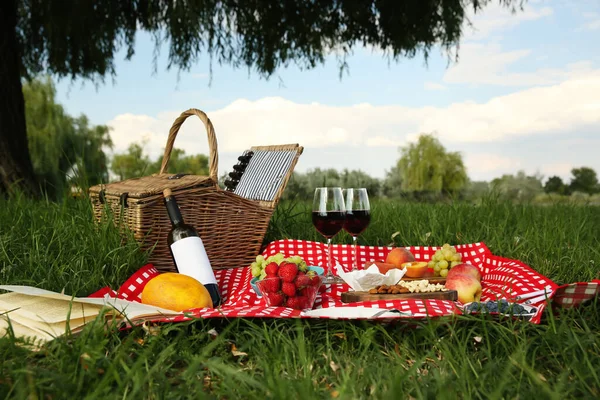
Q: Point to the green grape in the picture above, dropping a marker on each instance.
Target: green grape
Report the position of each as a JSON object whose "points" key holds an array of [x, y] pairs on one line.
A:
{"points": [[456, 257], [454, 264], [431, 264], [263, 273], [255, 269], [437, 256], [278, 258], [444, 273], [446, 246], [447, 253], [270, 259], [443, 264], [436, 269], [260, 258], [295, 259]]}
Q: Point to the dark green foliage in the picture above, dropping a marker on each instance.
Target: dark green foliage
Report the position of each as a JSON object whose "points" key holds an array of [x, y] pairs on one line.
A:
{"points": [[584, 180], [554, 184], [73, 37], [62, 148]]}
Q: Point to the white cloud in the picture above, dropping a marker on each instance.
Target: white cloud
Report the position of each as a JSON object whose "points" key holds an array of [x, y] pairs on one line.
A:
{"points": [[370, 135], [483, 163], [593, 25], [496, 18], [434, 86], [489, 65], [560, 169]]}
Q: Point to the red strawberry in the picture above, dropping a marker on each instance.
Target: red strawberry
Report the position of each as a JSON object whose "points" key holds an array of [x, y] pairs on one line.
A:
{"points": [[271, 285], [305, 291], [287, 272], [275, 299], [302, 281], [271, 269], [297, 303], [315, 280], [288, 288]]}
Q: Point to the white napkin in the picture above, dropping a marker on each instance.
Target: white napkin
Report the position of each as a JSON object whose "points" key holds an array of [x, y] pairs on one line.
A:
{"points": [[363, 280]]}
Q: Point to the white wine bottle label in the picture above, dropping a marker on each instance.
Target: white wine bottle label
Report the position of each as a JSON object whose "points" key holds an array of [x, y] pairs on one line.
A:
{"points": [[191, 259]]}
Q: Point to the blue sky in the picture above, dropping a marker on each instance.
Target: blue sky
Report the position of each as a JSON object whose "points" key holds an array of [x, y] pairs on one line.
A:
{"points": [[525, 94]]}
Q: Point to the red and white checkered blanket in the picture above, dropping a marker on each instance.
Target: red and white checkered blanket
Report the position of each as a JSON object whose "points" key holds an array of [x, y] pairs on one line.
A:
{"points": [[501, 278]]}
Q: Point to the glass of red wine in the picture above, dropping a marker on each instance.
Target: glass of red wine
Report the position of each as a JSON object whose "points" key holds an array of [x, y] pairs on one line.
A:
{"points": [[328, 216], [358, 216]]}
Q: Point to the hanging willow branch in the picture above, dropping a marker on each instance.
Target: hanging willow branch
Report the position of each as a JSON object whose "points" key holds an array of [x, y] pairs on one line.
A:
{"points": [[81, 37]]}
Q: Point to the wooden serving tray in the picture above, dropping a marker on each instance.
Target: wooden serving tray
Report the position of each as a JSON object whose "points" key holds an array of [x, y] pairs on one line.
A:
{"points": [[353, 297]]}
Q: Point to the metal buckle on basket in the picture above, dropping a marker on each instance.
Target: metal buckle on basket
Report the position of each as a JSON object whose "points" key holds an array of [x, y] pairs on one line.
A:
{"points": [[176, 176]]}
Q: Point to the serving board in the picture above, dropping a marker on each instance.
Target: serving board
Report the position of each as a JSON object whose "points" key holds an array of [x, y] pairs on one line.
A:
{"points": [[353, 297]]}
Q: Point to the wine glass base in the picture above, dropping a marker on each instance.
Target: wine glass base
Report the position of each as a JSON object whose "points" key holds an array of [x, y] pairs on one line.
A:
{"points": [[332, 280]]}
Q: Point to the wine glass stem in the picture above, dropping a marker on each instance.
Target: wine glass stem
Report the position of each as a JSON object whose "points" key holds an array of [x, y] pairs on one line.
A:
{"points": [[355, 258], [329, 259]]}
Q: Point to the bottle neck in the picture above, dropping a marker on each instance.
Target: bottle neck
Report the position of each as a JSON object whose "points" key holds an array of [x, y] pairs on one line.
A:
{"points": [[173, 211]]}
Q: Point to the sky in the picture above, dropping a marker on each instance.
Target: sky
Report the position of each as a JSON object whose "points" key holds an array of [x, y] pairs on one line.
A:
{"points": [[523, 95]]}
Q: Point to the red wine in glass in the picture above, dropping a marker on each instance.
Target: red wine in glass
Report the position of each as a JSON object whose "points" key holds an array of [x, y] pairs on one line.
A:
{"points": [[358, 216], [328, 223], [357, 221], [328, 216]]}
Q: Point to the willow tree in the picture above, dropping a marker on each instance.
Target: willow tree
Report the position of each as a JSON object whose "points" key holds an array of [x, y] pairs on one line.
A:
{"points": [[426, 167], [80, 38]]}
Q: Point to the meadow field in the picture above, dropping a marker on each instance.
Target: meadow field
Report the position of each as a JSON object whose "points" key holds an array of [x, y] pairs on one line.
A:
{"points": [[57, 246]]}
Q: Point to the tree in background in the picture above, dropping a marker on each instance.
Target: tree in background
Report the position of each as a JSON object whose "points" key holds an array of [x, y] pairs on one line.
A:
{"points": [[62, 147], [135, 163], [519, 187], [555, 184], [584, 180], [196, 164], [426, 168], [302, 185], [476, 190], [392, 184], [132, 164], [80, 38]]}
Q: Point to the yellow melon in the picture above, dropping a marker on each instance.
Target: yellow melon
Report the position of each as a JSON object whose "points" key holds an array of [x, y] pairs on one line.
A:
{"points": [[176, 292]]}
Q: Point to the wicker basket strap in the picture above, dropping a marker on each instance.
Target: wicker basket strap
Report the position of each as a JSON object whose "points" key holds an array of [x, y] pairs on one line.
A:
{"points": [[212, 141]]}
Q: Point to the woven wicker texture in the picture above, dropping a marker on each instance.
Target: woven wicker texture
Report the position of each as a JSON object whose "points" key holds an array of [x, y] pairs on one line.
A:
{"points": [[232, 227]]}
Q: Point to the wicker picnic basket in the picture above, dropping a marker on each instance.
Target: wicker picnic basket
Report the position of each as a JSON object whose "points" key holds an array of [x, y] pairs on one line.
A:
{"points": [[232, 224]]}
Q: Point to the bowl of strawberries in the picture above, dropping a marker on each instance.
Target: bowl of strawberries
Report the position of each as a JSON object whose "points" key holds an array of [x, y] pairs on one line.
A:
{"points": [[286, 286]]}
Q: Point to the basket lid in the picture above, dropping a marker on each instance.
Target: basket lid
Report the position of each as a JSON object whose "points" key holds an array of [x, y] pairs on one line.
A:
{"points": [[146, 186]]}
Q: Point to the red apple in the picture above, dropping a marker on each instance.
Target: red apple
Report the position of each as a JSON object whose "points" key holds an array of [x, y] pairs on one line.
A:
{"points": [[464, 269], [399, 256], [467, 286]]}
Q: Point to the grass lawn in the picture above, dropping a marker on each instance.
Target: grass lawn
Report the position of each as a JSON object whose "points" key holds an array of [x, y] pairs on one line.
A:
{"points": [[57, 246]]}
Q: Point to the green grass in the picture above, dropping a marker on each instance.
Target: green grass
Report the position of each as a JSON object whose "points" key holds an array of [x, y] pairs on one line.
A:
{"points": [[57, 246]]}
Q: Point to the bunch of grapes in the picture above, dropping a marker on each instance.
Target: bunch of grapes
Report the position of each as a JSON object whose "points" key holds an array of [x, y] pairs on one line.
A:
{"points": [[258, 267], [444, 259]]}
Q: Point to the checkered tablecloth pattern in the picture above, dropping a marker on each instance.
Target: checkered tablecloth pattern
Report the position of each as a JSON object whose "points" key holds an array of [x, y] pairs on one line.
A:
{"points": [[501, 278]]}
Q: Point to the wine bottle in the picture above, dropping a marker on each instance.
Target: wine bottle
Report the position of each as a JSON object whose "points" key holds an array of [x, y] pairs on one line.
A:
{"points": [[188, 251]]}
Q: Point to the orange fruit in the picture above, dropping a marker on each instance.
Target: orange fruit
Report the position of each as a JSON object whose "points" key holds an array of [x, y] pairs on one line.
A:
{"points": [[176, 292], [415, 269]]}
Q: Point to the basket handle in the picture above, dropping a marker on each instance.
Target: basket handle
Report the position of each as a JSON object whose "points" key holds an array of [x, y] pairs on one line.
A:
{"points": [[212, 142]]}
